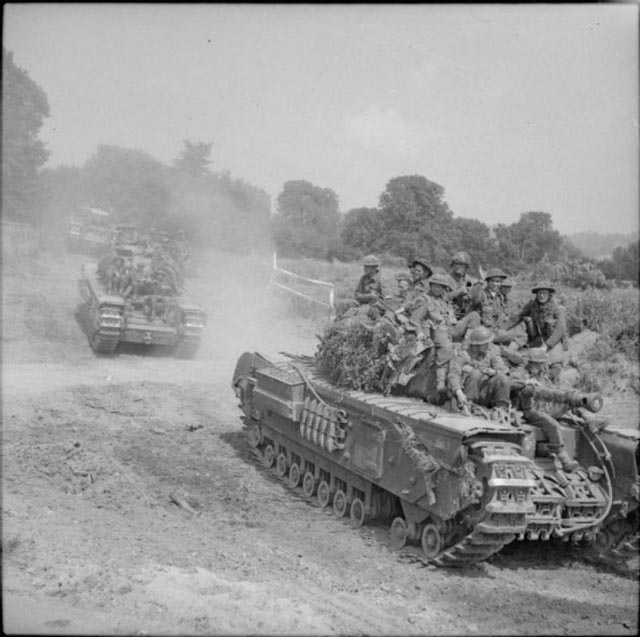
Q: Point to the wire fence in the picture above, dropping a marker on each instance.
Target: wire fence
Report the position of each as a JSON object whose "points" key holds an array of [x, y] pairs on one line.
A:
{"points": [[306, 293]]}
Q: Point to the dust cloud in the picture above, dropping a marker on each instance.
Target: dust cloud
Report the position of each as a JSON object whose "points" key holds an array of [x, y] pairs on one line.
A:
{"points": [[244, 312]]}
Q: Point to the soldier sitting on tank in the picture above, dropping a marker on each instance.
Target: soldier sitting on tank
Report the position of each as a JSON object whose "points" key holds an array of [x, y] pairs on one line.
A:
{"points": [[488, 301], [517, 337], [536, 376], [139, 284], [479, 374], [546, 326], [462, 283], [124, 276], [159, 300], [433, 317], [403, 285], [370, 287], [113, 274]]}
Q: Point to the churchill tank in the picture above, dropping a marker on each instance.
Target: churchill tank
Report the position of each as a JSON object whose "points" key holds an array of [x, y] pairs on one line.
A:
{"points": [[134, 296], [459, 487]]}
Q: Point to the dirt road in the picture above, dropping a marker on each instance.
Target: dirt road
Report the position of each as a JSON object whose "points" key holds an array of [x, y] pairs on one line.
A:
{"points": [[132, 506]]}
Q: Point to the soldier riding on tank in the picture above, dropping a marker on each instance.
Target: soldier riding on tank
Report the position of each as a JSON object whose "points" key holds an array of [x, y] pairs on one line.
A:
{"points": [[546, 325], [462, 283]]}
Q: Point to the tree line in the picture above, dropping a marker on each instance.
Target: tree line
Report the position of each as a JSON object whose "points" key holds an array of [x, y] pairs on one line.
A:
{"points": [[412, 217], [212, 207]]}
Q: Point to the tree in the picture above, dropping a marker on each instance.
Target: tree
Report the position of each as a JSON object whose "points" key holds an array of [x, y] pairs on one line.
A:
{"points": [[361, 231], [415, 218], [535, 237], [24, 107], [130, 182], [307, 220], [624, 264], [194, 158]]}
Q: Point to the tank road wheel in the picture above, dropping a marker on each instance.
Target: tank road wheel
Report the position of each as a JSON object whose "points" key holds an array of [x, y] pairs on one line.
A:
{"points": [[308, 484], [281, 465], [254, 436], [340, 503], [294, 475], [323, 494], [431, 540], [356, 513], [269, 456], [398, 533]]}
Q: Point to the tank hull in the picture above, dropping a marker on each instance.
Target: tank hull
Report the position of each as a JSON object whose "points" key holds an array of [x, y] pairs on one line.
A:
{"points": [[110, 320], [460, 486]]}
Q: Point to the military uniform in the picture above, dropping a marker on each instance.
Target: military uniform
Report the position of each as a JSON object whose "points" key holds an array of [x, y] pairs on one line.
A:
{"points": [[459, 295], [546, 326], [490, 306], [482, 377], [525, 401], [370, 289]]}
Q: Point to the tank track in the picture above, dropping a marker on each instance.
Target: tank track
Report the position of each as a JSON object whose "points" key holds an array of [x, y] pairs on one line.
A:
{"points": [[620, 551], [497, 524], [504, 507], [103, 344], [186, 349]]}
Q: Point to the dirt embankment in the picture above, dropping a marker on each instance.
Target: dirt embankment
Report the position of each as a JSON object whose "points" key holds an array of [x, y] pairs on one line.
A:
{"points": [[132, 506]]}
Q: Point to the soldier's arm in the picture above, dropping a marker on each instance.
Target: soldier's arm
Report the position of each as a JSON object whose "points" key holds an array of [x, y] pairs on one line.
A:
{"points": [[419, 309], [518, 318], [432, 312], [560, 327], [362, 294], [497, 362]]}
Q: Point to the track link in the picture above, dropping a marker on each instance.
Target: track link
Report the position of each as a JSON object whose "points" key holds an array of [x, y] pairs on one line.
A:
{"points": [[102, 344], [623, 554], [505, 505]]}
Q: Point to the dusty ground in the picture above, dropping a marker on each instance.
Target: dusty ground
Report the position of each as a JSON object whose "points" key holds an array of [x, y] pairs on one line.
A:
{"points": [[96, 451]]}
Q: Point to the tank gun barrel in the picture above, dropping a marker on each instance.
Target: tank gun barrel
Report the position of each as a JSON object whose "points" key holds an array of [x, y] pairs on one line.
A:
{"points": [[571, 398]]}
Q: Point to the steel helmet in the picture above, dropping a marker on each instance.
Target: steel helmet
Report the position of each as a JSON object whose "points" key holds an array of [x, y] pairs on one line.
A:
{"points": [[423, 262], [543, 285], [495, 273], [538, 355], [480, 336], [440, 278], [371, 260], [506, 283], [461, 257]]}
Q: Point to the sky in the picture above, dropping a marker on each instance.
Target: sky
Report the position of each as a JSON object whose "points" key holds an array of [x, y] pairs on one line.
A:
{"points": [[510, 108]]}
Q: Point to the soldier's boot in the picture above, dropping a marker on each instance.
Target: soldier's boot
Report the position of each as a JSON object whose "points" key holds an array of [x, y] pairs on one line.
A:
{"points": [[568, 464]]}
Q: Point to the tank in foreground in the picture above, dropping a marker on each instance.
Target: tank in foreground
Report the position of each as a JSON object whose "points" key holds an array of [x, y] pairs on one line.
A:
{"points": [[461, 486]]}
